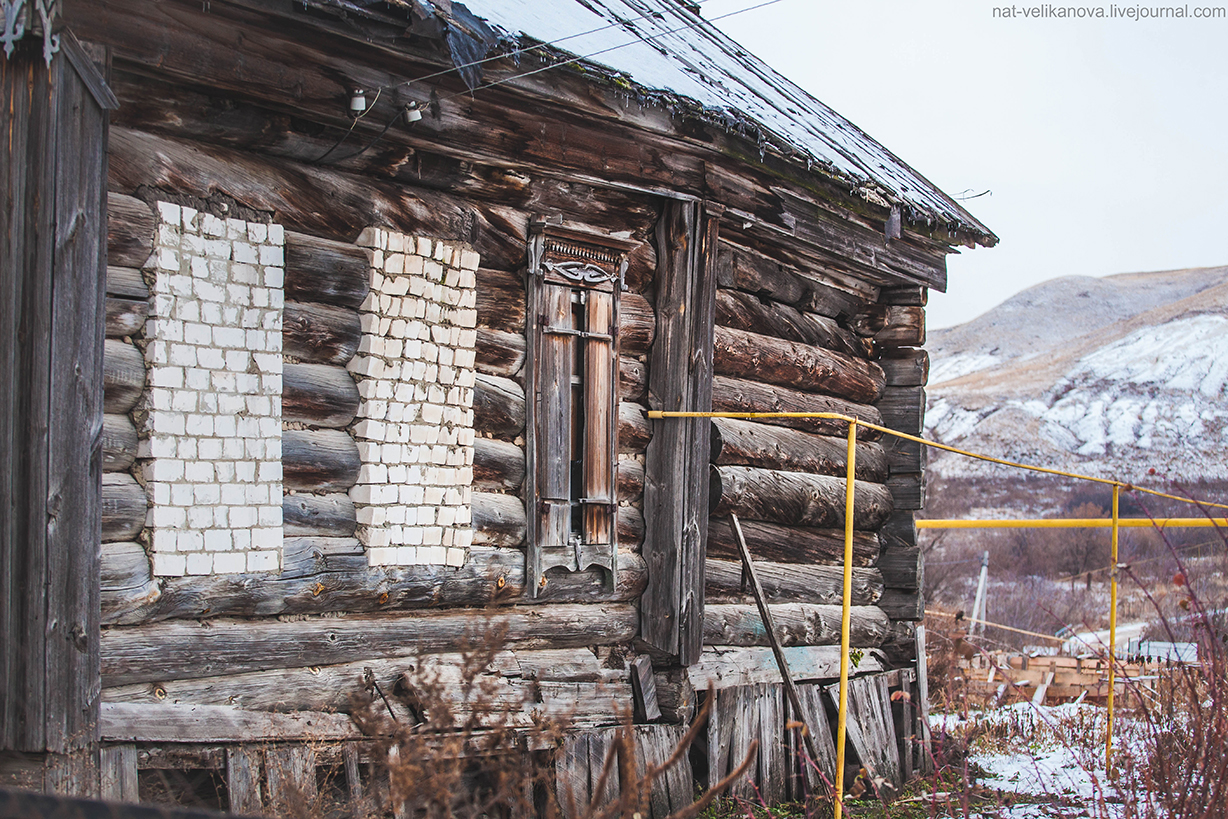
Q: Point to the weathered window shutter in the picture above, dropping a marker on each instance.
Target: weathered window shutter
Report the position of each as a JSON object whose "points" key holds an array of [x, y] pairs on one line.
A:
{"points": [[571, 498]]}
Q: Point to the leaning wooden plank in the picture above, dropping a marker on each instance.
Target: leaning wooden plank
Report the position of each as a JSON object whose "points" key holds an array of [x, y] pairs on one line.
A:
{"points": [[130, 230], [305, 515], [123, 376], [498, 406], [489, 576], [742, 395], [324, 271], [737, 442], [319, 333], [322, 395], [797, 624], [871, 730], [119, 442], [145, 722], [791, 544], [123, 507], [319, 460], [795, 498], [728, 666], [784, 582], [740, 354], [822, 771], [181, 650]]}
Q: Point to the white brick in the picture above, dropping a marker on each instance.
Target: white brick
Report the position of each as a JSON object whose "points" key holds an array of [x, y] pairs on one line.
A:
{"points": [[169, 565], [264, 561], [229, 562], [200, 563]]}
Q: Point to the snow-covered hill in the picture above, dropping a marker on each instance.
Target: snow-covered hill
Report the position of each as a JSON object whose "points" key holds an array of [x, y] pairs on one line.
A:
{"points": [[1110, 377]]}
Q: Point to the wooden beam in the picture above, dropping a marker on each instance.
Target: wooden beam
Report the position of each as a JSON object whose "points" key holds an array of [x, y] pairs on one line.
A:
{"points": [[788, 582], [675, 483]]}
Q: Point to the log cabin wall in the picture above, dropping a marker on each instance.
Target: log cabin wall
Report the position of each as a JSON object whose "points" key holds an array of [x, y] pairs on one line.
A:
{"points": [[809, 316]]}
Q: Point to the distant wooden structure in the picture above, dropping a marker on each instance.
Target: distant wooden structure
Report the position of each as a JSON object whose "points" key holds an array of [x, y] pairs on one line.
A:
{"points": [[310, 367], [1050, 680]]}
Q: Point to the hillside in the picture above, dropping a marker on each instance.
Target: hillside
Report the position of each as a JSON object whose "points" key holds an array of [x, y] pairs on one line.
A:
{"points": [[1109, 376]]}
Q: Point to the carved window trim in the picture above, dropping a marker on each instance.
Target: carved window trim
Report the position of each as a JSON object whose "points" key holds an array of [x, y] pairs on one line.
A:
{"points": [[574, 283]]}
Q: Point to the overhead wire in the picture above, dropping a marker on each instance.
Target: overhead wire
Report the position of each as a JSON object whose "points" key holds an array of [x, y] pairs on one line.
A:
{"points": [[521, 75]]}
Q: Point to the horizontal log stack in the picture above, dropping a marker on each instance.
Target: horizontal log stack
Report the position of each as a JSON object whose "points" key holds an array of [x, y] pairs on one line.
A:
{"points": [[786, 341], [240, 649]]}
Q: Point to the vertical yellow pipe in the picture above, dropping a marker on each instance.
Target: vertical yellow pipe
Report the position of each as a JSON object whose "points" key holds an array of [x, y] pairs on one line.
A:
{"points": [[1108, 740], [842, 721]]}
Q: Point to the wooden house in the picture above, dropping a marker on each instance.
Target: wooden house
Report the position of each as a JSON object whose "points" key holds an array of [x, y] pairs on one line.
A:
{"points": [[335, 323]]}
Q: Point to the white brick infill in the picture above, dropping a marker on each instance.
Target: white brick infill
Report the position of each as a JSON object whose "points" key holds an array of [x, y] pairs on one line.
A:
{"points": [[415, 373], [212, 446]]}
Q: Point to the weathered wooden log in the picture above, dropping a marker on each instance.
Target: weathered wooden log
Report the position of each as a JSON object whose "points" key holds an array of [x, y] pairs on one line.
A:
{"points": [[126, 283], [630, 523], [319, 333], [907, 490], [125, 316], [797, 624], [747, 443], [637, 324], [630, 479], [323, 395], [641, 267], [632, 379], [746, 270], [321, 460], [516, 686], [305, 515], [119, 442], [498, 406], [498, 520], [908, 296], [902, 568], [499, 352], [745, 311], [131, 224], [790, 544], [325, 271], [205, 725], [312, 554], [868, 320], [497, 465], [733, 667], [904, 455], [123, 376], [902, 604], [905, 366], [501, 306], [125, 567], [501, 301], [738, 395], [784, 582], [123, 507], [741, 354], [183, 650], [905, 327], [328, 577], [795, 498], [899, 532], [903, 408], [633, 430]]}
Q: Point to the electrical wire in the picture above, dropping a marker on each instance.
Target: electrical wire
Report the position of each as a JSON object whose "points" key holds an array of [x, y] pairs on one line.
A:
{"points": [[350, 130], [439, 100]]}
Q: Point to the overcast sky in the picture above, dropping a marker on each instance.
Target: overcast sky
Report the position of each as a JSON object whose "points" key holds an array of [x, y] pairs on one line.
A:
{"points": [[1104, 142]]}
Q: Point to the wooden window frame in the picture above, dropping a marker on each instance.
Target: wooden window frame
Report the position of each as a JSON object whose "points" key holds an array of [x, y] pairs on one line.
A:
{"points": [[570, 268]]}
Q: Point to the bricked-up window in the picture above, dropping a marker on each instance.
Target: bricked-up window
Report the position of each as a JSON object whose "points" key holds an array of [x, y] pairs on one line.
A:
{"points": [[571, 498]]}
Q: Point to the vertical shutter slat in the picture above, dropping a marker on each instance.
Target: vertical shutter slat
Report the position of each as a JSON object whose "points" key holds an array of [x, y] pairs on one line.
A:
{"points": [[554, 418], [599, 416]]}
